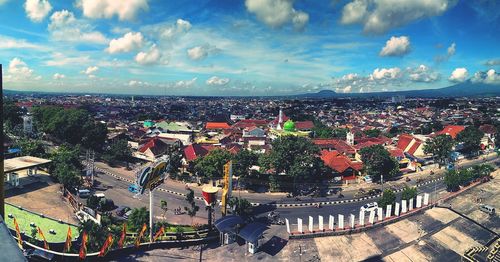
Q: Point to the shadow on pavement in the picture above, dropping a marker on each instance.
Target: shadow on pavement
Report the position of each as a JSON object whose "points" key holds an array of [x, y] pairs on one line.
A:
{"points": [[274, 245]]}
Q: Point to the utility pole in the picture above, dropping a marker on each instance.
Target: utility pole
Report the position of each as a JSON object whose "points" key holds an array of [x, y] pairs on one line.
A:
{"points": [[2, 156]]}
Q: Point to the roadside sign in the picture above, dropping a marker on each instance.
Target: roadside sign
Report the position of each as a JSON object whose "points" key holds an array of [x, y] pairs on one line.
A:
{"points": [[152, 176]]}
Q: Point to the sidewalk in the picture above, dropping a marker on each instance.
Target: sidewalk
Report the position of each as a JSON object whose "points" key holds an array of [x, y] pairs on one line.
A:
{"points": [[347, 190]]}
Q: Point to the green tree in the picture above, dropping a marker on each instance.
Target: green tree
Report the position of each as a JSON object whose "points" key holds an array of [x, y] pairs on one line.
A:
{"points": [[192, 209], [31, 147], [340, 133], [470, 138], [452, 180], [137, 218], [372, 133], [119, 151], [93, 202], [68, 175], [388, 198], [243, 161], [296, 157], [409, 193], [440, 147], [11, 114], [241, 207], [377, 161], [211, 166], [175, 155]]}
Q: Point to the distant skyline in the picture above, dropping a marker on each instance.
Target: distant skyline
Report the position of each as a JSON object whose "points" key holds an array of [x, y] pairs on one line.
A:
{"points": [[247, 47]]}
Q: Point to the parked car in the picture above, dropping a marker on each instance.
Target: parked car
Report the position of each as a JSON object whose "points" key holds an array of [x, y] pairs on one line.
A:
{"points": [[369, 207], [120, 211], [487, 209], [83, 193], [127, 214], [374, 191], [133, 188]]}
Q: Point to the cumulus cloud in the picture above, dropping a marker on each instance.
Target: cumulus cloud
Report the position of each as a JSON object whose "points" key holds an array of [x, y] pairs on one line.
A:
{"points": [[396, 46], [201, 52], [459, 75], [124, 9], [349, 77], [450, 51], [185, 83], [488, 77], [58, 76], [346, 89], [492, 62], [129, 42], [217, 81], [90, 71], [152, 56], [65, 27], [276, 13], [18, 70], [136, 83], [13, 43], [385, 73], [37, 10], [423, 74], [379, 16]]}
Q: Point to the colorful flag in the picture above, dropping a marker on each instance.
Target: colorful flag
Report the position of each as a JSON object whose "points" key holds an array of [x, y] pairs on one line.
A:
{"points": [[122, 237], [67, 245], [159, 233], [107, 245], [45, 244], [83, 247], [18, 234], [139, 237]]}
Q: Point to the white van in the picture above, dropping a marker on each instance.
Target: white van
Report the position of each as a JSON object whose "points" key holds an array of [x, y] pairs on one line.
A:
{"points": [[487, 209], [83, 193]]}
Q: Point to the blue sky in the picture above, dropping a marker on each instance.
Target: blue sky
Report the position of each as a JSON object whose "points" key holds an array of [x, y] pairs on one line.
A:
{"points": [[247, 47]]}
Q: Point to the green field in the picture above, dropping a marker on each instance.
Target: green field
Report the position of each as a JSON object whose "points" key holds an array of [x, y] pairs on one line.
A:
{"points": [[24, 219]]}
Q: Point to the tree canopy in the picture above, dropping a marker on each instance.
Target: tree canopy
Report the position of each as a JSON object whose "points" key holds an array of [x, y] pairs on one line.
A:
{"points": [[11, 114], [31, 147], [388, 198], [377, 161], [440, 147], [212, 165], [470, 138]]}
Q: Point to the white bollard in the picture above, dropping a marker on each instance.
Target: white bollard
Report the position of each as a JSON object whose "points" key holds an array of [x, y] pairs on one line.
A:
{"points": [[403, 206], [320, 219], [396, 209], [311, 224], [330, 223], [388, 211], [426, 199], [362, 217], [380, 213], [371, 219], [341, 221], [287, 225], [299, 225], [353, 217], [419, 201], [411, 204]]}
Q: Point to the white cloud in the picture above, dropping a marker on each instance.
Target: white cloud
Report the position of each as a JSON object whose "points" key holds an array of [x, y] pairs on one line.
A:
{"points": [[18, 70], [90, 71], [217, 81], [60, 59], [150, 57], [65, 27], [396, 46], [37, 10], [492, 62], [451, 50], [379, 16], [351, 76], [129, 42], [488, 77], [185, 83], [58, 76], [385, 73], [13, 43], [423, 74], [276, 13], [459, 75], [124, 9], [201, 52], [136, 83]]}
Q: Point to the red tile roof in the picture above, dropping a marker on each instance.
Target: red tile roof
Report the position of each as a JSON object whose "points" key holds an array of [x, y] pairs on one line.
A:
{"points": [[217, 125], [396, 152], [249, 123], [451, 131], [415, 146], [403, 141], [193, 151], [337, 144], [339, 163], [488, 129], [304, 125], [156, 145], [276, 120]]}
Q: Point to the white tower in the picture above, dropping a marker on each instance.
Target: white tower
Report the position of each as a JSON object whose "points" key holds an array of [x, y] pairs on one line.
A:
{"points": [[28, 124], [350, 138], [280, 120]]}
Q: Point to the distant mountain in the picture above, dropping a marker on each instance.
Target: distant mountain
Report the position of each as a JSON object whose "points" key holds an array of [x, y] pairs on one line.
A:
{"points": [[466, 88]]}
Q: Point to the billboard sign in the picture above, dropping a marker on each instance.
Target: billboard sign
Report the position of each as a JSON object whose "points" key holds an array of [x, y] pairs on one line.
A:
{"points": [[152, 176]]}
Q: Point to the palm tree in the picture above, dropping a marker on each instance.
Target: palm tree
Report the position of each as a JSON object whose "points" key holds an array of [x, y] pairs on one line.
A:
{"points": [[240, 207], [137, 218]]}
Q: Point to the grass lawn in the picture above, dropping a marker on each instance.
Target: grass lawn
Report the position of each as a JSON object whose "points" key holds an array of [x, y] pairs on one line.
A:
{"points": [[24, 219]]}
